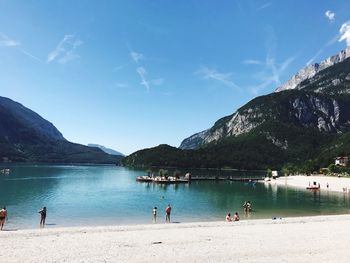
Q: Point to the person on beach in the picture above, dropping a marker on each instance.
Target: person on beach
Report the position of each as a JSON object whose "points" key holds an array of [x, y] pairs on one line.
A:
{"points": [[236, 217], [3, 217], [228, 217], [42, 213], [154, 211], [167, 213]]}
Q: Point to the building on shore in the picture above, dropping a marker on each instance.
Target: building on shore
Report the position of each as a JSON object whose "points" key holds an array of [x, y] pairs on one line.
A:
{"points": [[341, 161]]}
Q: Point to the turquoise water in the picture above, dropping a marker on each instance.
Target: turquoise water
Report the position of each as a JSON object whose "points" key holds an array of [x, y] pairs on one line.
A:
{"points": [[109, 195]]}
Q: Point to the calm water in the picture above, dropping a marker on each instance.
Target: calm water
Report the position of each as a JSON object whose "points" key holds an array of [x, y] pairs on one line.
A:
{"points": [[104, 195]]}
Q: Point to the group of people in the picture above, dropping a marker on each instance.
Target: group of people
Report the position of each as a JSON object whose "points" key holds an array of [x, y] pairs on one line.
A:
{"points": [[167, 214], [3, 217], [247, 206], [230, 219]]}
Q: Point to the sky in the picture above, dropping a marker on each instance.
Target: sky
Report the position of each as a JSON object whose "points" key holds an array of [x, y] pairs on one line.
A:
{"points": [[135, 74]]}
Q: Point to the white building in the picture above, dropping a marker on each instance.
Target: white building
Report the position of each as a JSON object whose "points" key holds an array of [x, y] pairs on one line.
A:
{"points": [[341, 161]]}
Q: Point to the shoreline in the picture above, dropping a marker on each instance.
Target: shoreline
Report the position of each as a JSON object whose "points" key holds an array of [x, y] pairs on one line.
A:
{"points": [[294, 239], [335, 184]]}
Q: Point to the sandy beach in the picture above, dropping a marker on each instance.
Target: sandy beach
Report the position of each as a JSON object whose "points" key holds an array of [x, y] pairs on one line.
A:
{"points": [[307, 239], [335, 184]]}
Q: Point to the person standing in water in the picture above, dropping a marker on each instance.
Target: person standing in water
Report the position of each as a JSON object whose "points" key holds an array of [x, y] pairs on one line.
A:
{"points": [[3, 217], [167, 213], [42, 213], [154, 214]]}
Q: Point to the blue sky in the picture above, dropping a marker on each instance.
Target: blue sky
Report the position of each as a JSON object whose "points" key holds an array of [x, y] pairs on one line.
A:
{"points": [[135, 74]]}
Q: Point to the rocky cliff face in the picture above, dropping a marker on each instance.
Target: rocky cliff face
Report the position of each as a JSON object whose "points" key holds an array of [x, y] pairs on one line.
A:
{"points": [[316, 98], [303, 110], [311, 70]]}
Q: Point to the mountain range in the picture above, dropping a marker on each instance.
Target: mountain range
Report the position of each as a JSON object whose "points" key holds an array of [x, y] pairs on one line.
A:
{"points": [[105, 149], [27, 137], [306, 120]]}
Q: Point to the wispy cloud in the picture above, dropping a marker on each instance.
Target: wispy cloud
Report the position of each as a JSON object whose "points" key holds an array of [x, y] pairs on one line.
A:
{"points": [[320, 51], [271, 73], [270, 70], [29, 54], [344, 32], [330, 15], [224, 78], [142, 73], [65, 50], [252, 62], [6, 41], [136, 56], [266, 5]]}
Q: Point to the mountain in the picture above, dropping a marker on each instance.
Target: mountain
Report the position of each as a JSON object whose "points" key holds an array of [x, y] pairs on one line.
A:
{"points": [[27, 137], [105, 149], [321, 102], [309, 121], [312, 69]]}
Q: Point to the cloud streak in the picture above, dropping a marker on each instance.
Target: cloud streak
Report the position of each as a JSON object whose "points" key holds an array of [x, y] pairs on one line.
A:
{"points": [[270, 71], [266, 5], [142, 72], [7, 42], [252, 62], [65, 50], [224, 78]]}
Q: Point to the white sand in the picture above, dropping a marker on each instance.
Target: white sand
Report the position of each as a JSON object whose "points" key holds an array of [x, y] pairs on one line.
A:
{"points": [[308, 239], [336, 184]]}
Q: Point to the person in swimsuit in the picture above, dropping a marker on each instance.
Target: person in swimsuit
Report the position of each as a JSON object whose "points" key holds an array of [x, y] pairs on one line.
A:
{"points": [[3, 217], [236, 217], [154, 214], [167, 213], [228, 217], [42, 213]]}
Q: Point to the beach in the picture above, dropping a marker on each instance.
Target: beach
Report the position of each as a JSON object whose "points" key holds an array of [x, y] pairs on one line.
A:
{"points": [[303, 239], [335, 184]]}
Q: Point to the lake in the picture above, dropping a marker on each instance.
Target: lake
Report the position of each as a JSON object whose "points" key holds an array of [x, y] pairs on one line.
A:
{"points": [[109, 195]]}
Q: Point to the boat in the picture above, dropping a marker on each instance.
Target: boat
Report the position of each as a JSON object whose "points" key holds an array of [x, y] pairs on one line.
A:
{"points": [[313, 188], [144, 178], [5, 171]]}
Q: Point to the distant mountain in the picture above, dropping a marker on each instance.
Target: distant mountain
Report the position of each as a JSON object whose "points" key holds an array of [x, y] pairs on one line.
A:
{"points": [[27, 137], [306, 121], [105, 149]]}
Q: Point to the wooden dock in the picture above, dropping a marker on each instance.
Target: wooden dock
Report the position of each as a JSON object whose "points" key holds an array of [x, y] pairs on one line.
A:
{"points": [[251, 179]]}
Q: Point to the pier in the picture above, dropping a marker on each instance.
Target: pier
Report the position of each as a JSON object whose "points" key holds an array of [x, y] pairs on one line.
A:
{"points": [[189, 178]]}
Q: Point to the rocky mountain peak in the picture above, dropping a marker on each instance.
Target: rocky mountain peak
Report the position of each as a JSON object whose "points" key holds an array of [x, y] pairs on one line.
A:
{"points": [[311, 70]]}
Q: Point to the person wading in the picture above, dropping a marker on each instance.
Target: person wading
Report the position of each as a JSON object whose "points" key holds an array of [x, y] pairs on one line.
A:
{"points": [[167, 213], [3, 217], [42, 213]]}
